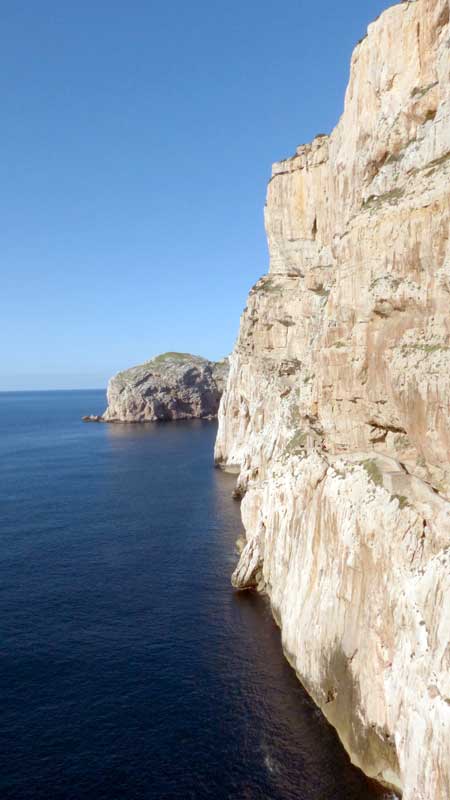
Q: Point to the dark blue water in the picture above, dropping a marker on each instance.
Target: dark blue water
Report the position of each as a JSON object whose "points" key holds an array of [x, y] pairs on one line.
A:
{"points": [[129, 667]]}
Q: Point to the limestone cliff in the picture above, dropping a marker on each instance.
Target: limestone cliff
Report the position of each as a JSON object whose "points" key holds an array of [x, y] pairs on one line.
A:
{"points": [[168, 387], [336, 412]]}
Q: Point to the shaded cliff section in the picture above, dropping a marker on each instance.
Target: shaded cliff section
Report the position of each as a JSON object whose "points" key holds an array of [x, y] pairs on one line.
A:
{"points": [[337, 409], [171, 386]]}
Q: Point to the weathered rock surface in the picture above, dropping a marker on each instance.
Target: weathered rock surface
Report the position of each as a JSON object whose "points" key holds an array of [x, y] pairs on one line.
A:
{"points": [[336, 412], [168, 387]]}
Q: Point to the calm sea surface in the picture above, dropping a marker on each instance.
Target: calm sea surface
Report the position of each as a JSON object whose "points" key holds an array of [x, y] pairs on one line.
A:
{"points": [[129, 667]]}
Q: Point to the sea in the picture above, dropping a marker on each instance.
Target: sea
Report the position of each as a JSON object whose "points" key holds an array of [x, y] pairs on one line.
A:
{"points": [[130, 669]]}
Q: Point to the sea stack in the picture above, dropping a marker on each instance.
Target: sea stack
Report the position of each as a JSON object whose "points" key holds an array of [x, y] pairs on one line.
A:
{"points": [[337, 408], [171, 386]]}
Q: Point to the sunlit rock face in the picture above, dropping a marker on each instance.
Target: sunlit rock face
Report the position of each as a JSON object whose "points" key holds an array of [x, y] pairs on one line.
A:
{"points": [[171, 386], [336, 412]]}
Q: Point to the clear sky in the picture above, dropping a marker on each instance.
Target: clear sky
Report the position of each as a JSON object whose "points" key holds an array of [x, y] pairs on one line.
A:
{"points": [[136, 144]]}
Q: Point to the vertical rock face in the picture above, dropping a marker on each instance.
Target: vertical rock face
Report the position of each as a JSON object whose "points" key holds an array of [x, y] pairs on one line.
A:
{"points": [[336, 412]]}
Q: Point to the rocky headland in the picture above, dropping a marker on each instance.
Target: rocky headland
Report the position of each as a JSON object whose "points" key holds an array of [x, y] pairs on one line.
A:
{"points": [[336, 412], [171, 386]]}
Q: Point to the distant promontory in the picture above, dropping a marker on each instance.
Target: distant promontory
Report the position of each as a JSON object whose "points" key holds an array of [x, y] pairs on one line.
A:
{"points": [[171, 386]]}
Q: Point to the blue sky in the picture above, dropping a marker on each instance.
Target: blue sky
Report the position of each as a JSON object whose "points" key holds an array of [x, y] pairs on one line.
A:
{"points": [[137, 141]]}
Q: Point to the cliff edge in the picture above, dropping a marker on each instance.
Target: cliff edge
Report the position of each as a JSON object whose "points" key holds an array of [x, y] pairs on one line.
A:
{"points": [[170, 386], [336, 411]]}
